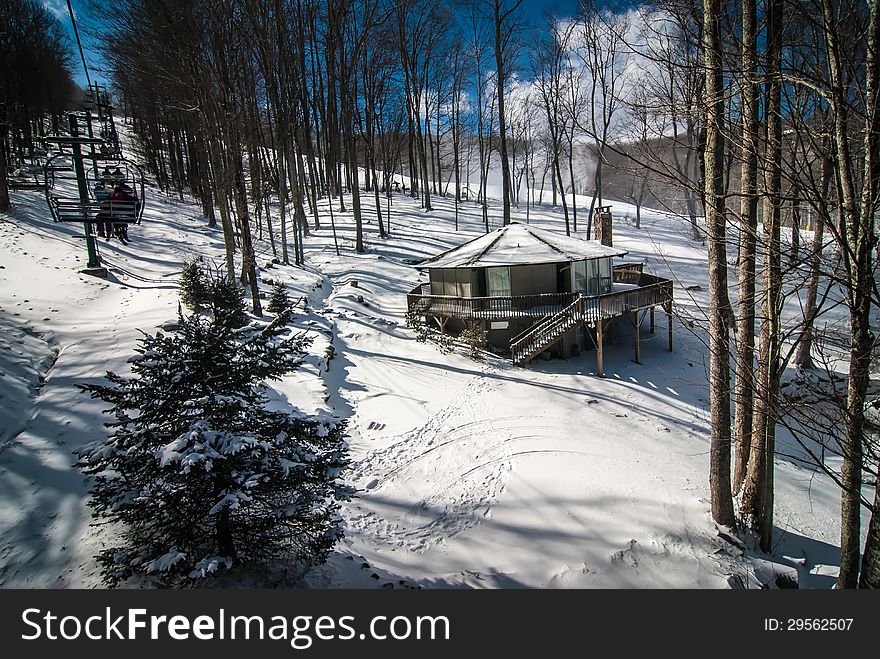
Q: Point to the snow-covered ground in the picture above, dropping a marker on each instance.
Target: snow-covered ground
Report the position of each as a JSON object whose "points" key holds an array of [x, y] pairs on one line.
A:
{"points": [[471, 474]]}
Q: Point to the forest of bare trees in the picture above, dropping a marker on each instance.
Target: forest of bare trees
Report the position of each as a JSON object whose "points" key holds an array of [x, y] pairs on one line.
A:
{"points": [[756, 120], [36, 81], [792, 124]]}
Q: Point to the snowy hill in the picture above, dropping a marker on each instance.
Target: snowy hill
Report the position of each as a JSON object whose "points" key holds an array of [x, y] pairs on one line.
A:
{"points": [[471, 474]]}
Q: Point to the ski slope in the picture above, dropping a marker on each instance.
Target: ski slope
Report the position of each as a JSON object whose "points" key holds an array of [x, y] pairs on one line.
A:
{"points": [[471, 473]]}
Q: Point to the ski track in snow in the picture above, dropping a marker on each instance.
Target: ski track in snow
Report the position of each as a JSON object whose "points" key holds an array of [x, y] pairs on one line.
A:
{"points": [[469, 463]]}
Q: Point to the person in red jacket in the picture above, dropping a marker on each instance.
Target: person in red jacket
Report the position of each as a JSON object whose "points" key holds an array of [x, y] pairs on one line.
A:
{"points": [[124, 205]]}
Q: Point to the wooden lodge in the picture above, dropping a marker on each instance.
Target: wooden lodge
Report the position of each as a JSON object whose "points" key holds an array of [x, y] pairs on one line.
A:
{"points": [[534, 290]]}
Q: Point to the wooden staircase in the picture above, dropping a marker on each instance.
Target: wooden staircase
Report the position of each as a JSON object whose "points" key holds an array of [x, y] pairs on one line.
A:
{"points": [[648, 291], [548, 331]]}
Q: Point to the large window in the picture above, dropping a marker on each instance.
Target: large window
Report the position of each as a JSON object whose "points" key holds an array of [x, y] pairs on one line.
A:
{"points": [[589, 276], [498, 280], [463, 282], [451, 281], [605, 278], [592, 277], [580, 276], [443, 281]]}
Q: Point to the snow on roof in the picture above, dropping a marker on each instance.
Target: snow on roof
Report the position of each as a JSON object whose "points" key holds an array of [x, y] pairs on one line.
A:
{"points": [[519, 244]]}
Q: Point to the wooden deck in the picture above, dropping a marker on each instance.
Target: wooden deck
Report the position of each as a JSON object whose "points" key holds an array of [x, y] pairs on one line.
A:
{"points": [[485, 308], [648, 291], [556, 314]]}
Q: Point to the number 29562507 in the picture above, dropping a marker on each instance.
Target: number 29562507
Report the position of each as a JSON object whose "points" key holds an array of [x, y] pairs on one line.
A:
{"points": [[808, 624]]}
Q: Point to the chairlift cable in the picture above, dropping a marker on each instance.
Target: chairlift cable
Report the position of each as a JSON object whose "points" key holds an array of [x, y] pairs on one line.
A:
{"points": [[78, 43]]}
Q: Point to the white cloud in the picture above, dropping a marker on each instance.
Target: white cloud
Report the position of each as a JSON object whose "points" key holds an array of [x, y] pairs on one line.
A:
{"points": [[57, 7]]}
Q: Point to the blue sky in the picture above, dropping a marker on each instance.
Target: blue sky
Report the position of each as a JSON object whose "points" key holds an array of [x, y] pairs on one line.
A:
{"points": [[534, 10], [60, 11]]}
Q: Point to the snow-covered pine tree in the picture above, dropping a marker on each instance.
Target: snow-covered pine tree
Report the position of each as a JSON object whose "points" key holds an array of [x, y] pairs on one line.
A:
{"points": [[197, 473], [194, 286], [280, 303], [227, 301]]}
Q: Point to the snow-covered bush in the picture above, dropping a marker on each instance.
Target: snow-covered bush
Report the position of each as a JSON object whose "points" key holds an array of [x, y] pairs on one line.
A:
{"points": [[197, 474], [475, 337], [415, 321], [201, 288]]}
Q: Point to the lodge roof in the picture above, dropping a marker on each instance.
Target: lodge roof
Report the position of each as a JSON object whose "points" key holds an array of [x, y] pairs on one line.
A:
{"points": [[519, 244]]}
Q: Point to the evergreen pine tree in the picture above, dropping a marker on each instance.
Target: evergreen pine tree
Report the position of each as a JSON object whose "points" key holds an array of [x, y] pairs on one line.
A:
{"points": [[194, 286], [227, 301], [197, 473], [280, 303]]}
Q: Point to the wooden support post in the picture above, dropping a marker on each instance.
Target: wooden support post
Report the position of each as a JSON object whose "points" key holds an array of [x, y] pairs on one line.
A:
{"points": [[637, 324], [669, 315], [600, 368], [652, 320]]}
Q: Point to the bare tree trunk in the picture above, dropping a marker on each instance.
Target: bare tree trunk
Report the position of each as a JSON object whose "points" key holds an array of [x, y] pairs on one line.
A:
{"points": [[348, 118], [439, 158], [248, 256], [745, 336], [803, 357], [719, 339], [795, 224], [558, 169], [757, 499], [597, 193], [423, 160], [574, 208], [870, 577], [4, 188], [220, 187], [282, 198], [859, 232], [501, 77], [456, 135]]}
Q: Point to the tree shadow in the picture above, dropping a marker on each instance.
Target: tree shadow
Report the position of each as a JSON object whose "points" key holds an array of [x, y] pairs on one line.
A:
{"points": [[596, 551]]}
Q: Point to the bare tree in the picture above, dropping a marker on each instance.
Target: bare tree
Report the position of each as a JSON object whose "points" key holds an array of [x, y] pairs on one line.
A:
{"points": [[35, 81], [719, 330], [757, 499], [748, 229], [548, 67], [506, 22], [601, 48]]}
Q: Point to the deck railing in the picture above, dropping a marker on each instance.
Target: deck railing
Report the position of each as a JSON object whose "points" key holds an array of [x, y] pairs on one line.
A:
{"points": [[649, 291], [486, 308], [589, 311]]}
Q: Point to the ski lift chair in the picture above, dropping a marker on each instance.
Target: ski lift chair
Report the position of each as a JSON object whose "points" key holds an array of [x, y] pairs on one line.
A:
{"points": [[65, 204]]}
